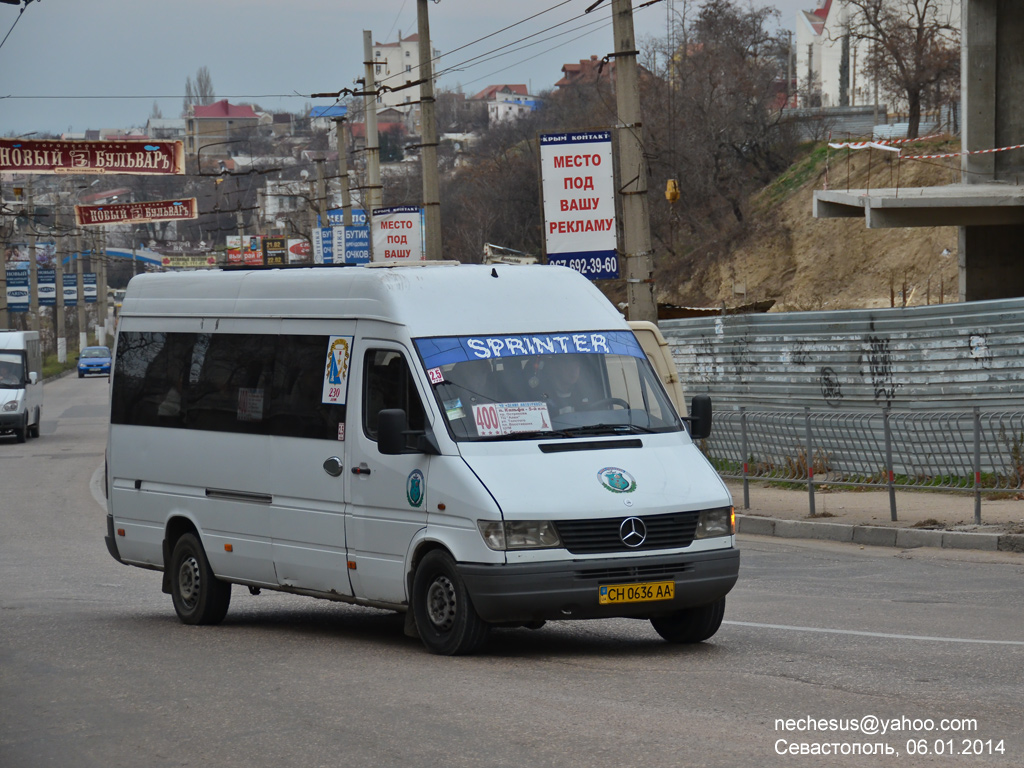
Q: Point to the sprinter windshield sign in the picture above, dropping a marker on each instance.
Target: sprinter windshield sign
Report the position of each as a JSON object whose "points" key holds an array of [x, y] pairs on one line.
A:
{"points": [[549, 384]]}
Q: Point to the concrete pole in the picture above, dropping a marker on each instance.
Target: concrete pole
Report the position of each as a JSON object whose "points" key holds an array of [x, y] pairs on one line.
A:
{"points": [[33, 265], [321, 194], [374, 189], [60, 325], [83, 320], [101, 288], [346, 195], [428, 142], [241, 235], [636, 225]]}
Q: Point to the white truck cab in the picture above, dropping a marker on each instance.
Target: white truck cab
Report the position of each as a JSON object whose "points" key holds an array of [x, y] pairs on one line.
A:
{"points": [[475, 446], [21, 384]]}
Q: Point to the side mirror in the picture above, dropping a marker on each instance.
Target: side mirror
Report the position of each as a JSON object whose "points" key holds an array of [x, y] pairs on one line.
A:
{"points": [[700, 417], [392, 424], [33, 377]]}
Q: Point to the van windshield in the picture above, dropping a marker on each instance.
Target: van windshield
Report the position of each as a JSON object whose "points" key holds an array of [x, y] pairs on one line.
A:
{"points": [[12, 370], [545, 385]]}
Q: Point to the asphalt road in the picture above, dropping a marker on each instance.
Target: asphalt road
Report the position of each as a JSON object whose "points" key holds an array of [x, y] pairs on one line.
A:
{"points": [[96, 670]]}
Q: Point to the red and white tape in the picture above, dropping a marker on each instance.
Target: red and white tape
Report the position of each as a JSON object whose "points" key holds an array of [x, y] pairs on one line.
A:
{"points": [[961, 154]]}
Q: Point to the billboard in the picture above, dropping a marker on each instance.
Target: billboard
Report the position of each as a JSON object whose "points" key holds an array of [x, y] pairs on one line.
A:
{"points": [[275, 251], [46, 287], [578, 185], [398, 234], [89, 287], [251, 254], [131, 213], [137, 157], [17, 290], [70, 288]]}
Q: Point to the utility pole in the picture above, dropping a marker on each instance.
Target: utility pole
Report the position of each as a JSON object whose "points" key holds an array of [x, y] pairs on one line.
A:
{"points": [[101, 289], [374, 189], [60, 326], [83, 321], [321, 193], [241, 233], [636, 224], [33, 265], [428, 142], [346, 195]]}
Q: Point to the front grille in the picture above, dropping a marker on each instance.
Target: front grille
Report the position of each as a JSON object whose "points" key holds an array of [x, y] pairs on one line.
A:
{"points": [[582, 537], [635, 572]]}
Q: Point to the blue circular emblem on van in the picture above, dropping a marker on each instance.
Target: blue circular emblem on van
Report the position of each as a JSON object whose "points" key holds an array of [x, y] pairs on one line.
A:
{"points": [[414, 490], [617, 480]]}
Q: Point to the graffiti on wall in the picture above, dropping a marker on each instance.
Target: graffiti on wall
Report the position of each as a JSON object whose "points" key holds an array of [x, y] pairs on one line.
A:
{"points": [[876, 365]]}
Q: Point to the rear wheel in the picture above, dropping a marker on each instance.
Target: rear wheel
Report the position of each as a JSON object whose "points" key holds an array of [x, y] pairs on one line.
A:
{"points": [[199, 597], [692, 625], [447, 622]]}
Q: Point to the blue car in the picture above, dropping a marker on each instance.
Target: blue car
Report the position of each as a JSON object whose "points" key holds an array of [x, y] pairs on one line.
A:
{"points": [[94, 360]]}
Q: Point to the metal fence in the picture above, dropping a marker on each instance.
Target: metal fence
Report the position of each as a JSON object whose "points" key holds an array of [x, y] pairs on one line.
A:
{"points": [[968, 451]]}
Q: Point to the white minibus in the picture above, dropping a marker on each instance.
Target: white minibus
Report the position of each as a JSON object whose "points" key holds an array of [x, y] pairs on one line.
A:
{"points": [[474, 446]]}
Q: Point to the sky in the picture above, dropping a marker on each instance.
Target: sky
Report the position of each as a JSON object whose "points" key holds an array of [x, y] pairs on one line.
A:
{"points": [[70, 65]]}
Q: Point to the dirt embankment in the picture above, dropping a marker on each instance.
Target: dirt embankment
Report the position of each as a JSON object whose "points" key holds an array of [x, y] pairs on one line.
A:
{"points": [[805, 263]]}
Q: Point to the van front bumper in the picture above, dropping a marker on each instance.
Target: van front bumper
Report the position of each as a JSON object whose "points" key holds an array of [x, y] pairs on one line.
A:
{"points": [[528, 592], [12, 420]]}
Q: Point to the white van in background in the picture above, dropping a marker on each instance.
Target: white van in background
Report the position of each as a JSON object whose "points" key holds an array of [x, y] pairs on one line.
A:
{"points": [[21, 383], [474, 446]]}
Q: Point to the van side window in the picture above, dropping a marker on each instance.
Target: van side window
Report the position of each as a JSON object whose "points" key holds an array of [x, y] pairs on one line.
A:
{"points": [[251, 383], [388, 383]]}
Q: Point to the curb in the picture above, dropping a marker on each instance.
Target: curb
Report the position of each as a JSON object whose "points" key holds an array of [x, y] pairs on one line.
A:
{"points": [[879, 536]]}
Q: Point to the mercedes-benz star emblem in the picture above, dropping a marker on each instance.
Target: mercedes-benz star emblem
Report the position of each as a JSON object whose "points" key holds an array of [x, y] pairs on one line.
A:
{"points": [[633, 532]]}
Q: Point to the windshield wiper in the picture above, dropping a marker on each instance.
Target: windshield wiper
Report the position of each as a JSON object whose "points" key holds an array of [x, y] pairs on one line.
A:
{"points": [[612, 429]]}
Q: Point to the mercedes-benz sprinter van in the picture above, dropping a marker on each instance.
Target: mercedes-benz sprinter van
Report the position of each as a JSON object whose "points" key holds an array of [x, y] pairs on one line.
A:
{"points": [[474, 446]]}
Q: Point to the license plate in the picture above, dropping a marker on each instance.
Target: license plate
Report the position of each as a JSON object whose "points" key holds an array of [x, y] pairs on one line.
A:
{"points": [[636, 593]]}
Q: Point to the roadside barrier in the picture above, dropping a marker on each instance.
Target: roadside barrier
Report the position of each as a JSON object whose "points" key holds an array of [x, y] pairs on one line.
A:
{"points": [[964, 451]]}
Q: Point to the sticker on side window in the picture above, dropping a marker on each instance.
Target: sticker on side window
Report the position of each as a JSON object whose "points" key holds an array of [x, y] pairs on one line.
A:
{"points": [[339, 351], [508, 418]]}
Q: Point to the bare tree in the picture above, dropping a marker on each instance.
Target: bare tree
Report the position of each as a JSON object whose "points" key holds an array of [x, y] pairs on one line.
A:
{"points": [[916, 47], [200, 91]]}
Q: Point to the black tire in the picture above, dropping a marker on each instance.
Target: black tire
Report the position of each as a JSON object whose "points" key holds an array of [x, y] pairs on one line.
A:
{"points": [[692, 625], [33, 431], [81, 375], [199, 597], [447, 622], [21, 432]]}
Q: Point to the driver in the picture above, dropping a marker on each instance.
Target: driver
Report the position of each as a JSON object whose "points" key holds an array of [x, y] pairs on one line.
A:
{"points": [[9, 373], [561, 386]]}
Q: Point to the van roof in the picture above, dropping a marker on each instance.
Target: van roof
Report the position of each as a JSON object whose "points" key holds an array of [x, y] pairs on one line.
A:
{"points": [[433, 299]]}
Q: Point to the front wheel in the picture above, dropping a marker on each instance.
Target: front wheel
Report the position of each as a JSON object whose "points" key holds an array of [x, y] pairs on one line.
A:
{"points": [[447, 622], [22, 432], [691, 625], [33, 431], [199, 597]]}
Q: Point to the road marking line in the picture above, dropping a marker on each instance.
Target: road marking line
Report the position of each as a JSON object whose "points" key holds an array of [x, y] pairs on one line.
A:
{"points": [[874, 634]]}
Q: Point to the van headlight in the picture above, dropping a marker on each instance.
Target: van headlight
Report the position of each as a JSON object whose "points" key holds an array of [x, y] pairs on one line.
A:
{"points": [[716, 522], [504, 535], [11, 405]]}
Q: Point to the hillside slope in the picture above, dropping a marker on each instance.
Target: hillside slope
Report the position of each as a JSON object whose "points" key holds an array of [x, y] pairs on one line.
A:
{"points": [[803, 263]]}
